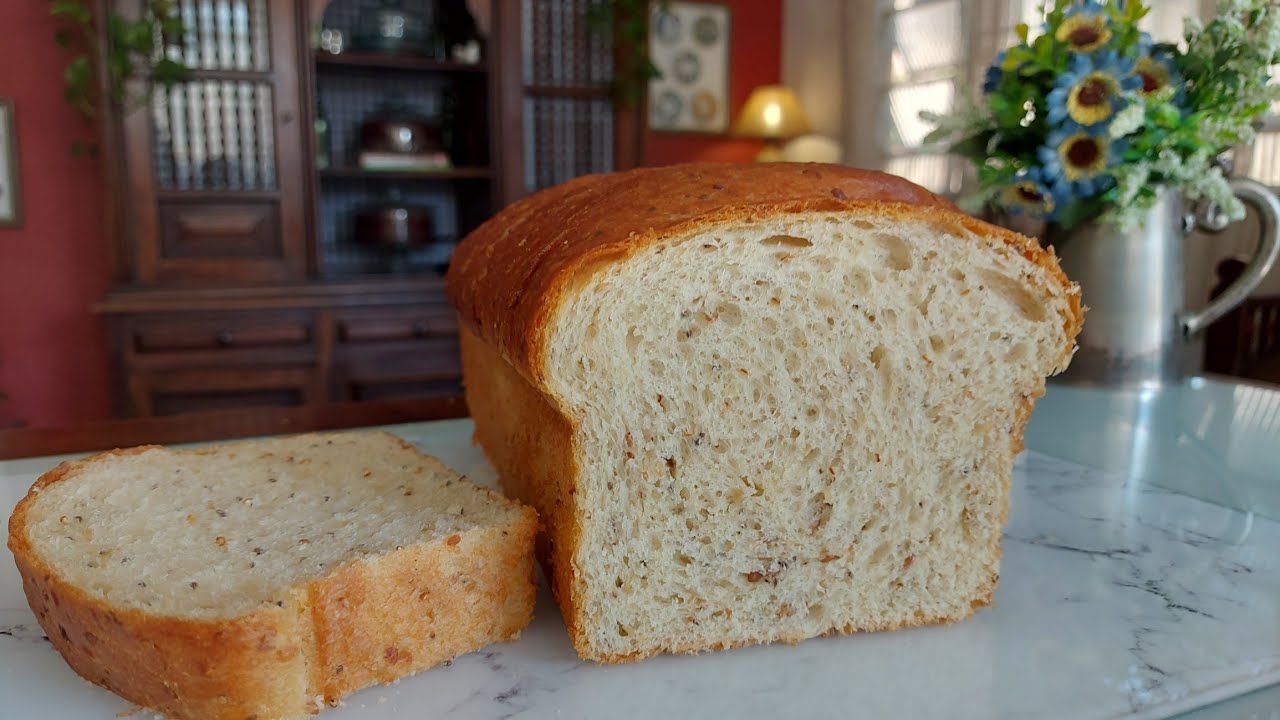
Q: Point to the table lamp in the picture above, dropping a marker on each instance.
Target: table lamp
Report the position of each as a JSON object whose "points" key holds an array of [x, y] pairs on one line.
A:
{"points": [[773, 114]]}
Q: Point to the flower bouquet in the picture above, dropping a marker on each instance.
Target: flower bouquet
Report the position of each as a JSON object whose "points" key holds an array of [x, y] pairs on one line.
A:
{"points": [[1087, 119]]}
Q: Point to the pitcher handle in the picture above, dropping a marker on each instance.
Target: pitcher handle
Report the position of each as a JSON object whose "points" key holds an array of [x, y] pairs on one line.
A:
{"points": [[1268, 207]]}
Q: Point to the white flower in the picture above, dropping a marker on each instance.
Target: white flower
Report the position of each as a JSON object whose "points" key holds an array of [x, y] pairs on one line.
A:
{"points": [[1268, 31], [963, 120], [1234, 27], [1128, 120]]}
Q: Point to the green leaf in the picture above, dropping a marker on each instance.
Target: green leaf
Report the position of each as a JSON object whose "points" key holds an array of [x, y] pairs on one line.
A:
{"points": [[1079, 211], [600, 16], [84, 148], [1021, 30], [127, 49], [936, 135], [973, 147], [72, 10], [1016, 56], [142, 37], [166, 72], [77, 72]]}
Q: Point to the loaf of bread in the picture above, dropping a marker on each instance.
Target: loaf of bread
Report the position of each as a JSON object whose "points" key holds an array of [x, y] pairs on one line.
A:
{"points": [[260, 579], [756, 403]]}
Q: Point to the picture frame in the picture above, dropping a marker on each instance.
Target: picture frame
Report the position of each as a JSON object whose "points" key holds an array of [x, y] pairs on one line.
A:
{"points": [[689, 44], [10, 192]]}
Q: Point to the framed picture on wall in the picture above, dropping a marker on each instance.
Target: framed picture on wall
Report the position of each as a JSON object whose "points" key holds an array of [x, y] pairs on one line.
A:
{"points": [[689, 44], [10, 199]]}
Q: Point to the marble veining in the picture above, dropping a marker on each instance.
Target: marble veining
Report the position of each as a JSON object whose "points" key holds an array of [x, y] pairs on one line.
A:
{"points": [[28, 632], [1116, 599]]}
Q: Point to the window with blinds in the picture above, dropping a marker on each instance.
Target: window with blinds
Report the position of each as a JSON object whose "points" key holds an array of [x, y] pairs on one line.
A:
{"points": [[1261, 161], [935, 50]]}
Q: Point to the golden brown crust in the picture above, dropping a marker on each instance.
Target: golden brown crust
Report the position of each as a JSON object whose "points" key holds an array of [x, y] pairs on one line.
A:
{"points": [[508, 276], [530, 444], [417, 607], [376, 619]]}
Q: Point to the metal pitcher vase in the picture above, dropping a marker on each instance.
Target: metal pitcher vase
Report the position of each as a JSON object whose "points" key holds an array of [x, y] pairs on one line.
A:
{"points": [[1137, 330]]}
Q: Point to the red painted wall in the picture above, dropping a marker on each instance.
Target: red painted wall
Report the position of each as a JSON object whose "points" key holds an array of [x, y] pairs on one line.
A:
{"points": [[755, 58], [53, 361]]}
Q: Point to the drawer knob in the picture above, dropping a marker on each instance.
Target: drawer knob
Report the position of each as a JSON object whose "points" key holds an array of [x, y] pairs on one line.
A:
{"points": [[421, 329], [224, 338]]}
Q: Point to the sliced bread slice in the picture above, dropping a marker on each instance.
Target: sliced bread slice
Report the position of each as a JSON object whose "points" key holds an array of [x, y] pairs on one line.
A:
{"points": [[259, 579]]}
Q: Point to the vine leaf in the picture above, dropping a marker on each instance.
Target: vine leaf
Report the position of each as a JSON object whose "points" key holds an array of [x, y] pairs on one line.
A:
{"points": [[125, 46], [627, 23]]}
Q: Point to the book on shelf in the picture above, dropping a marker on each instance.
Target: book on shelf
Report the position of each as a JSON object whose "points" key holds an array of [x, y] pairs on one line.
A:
{"points": [[391, 161]]}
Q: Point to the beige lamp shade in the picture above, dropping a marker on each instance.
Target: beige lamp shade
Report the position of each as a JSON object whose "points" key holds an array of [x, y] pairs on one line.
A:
{"points": [[771, 112]]}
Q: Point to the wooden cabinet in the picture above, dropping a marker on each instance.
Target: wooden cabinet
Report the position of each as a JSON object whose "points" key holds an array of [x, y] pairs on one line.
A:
{"points": [[240, 279], [305, 344]]}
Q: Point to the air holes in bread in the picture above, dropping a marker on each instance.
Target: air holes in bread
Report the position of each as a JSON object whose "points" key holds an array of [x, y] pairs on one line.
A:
{"points": [[884, 372], [786, 241], [897, 253], [1013, 292]]}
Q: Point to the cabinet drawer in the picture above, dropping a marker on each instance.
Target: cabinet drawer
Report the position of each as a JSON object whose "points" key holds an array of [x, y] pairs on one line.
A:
{"points": [[397, 326], [182, 391], [433, 369], [220, 333], [205, 230]]}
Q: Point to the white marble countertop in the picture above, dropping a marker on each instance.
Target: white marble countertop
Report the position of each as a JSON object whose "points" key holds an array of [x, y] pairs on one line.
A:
{"points": [[1117, 597]]}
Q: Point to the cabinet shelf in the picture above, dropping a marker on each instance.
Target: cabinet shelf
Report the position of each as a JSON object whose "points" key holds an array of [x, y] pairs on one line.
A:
{"points": [[396, 62], [456, 173], [575, 92]]}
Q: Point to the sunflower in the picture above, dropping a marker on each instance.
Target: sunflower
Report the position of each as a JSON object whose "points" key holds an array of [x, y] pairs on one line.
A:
{"points": [[1029, 195], [1092, 91], [1075, 161], [1084, 29], [1156, 72]]}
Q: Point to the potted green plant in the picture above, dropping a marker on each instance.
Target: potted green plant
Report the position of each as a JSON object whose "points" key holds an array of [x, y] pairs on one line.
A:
{"points": [[1104, 135]]}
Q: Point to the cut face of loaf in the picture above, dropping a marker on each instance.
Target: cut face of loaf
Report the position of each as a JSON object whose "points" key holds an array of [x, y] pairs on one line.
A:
{"points": [[774, 425], [251, 579]]}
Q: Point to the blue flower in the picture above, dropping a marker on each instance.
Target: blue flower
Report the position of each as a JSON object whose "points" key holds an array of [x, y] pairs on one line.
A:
{"points": [[1092, 91], [1029, 194], [995, 73], [1076, 161], [1145, 42], [1084, 28]]}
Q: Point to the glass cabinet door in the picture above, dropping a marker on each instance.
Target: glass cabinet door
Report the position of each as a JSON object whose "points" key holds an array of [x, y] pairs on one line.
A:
{"points": [[216, 162]]}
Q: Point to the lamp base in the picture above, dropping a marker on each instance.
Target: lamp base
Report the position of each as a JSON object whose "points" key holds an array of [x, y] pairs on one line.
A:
{"points": [[771, 152]]}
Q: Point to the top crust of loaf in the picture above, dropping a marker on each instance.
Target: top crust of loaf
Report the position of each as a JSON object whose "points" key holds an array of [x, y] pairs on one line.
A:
{"points": [[508, 276]]}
